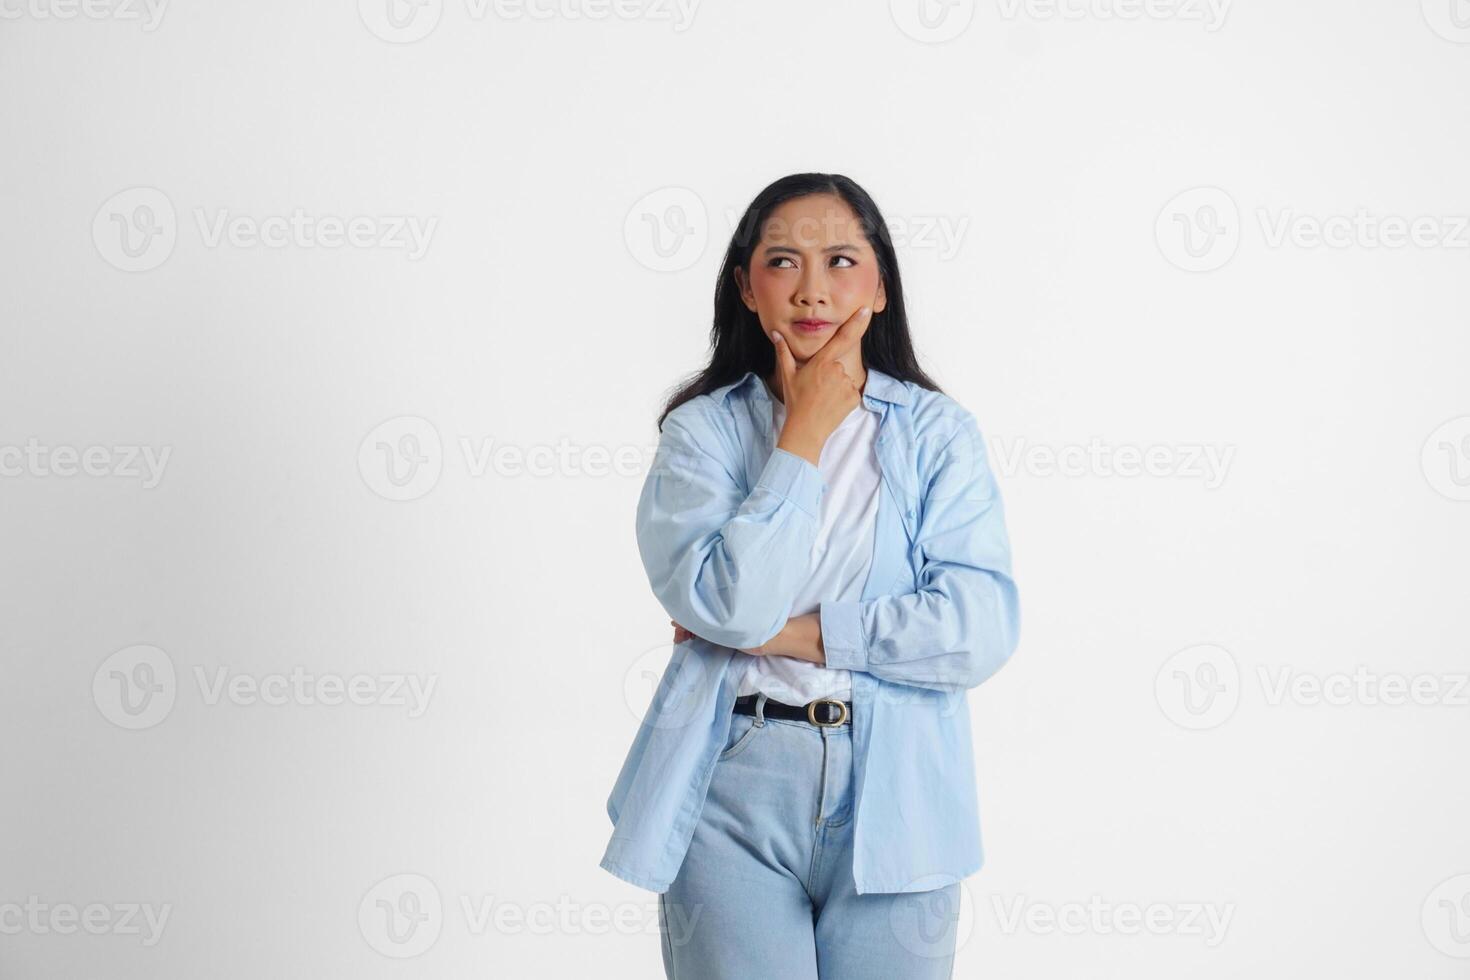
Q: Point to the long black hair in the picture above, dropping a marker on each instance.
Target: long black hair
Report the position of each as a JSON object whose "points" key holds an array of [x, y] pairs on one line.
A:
{"points": [[737, 342]]}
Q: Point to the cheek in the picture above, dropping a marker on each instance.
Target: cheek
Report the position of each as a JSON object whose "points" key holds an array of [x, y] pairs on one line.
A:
{"points": [[860, 284], [765, 286], [770, 300]]}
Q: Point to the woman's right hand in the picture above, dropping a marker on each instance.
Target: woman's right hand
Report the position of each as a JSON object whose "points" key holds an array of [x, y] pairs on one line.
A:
{"points": [[820, 393]]}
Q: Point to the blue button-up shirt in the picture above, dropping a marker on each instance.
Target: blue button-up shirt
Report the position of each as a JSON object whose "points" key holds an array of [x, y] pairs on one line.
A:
{"points": [[725, 527]]}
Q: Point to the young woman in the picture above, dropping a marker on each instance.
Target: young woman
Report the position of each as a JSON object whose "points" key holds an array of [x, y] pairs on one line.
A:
{"points": [[823, 526]]}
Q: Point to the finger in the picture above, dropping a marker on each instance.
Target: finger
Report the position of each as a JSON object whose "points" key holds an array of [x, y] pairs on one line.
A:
{"points": [[785, 361], [848, 336]]}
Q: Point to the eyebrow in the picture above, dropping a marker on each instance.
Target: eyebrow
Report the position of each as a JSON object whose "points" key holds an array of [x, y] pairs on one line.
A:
{"points": [[787, 248]]}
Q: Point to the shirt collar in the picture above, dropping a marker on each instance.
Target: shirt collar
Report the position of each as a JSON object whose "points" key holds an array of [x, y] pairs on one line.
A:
{"points": [[879, 385]]}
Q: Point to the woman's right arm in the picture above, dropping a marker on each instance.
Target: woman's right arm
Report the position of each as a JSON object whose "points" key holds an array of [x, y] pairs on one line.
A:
{"points": [[725, 564]]}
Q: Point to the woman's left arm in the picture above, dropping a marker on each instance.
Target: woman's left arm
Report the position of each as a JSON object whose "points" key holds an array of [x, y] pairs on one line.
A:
{"points": [[964, 622]]}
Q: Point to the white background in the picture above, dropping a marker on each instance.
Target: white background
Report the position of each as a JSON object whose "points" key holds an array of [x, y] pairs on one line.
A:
{"points": [[580, 172]]}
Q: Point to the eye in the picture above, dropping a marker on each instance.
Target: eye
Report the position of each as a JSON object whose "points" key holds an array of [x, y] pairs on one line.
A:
{"points": [[772, 264]]}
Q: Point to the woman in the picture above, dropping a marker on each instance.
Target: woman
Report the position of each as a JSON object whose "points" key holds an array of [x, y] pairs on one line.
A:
{"points": [[823, 526]]}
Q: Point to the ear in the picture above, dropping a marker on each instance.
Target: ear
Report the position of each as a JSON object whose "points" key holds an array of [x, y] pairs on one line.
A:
{"points": [[746, 295], [881, 300]]}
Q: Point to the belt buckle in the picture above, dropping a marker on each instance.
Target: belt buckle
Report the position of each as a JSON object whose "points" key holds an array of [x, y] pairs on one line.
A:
{"points": [[811, 714]]}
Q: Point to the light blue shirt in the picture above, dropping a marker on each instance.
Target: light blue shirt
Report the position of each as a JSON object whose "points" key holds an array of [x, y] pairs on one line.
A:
{"points": [[725, 527]]}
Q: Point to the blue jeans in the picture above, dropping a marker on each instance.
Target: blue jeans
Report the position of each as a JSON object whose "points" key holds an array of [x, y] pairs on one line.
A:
{"points": [[766, 888]]}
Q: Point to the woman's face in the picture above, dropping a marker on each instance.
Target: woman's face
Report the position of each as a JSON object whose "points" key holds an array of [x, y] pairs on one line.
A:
{"points": [[812, 264]]}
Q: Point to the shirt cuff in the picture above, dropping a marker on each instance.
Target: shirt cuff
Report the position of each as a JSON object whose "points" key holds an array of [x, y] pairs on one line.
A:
{"points": [[795, 478], [842, 634]]}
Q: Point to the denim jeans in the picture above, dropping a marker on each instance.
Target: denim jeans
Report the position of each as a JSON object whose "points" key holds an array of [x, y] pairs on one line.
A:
{"points": [[766, 888]]}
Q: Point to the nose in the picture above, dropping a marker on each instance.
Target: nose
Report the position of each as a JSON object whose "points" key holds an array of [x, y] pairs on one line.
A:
{"points": [[811, 289]]}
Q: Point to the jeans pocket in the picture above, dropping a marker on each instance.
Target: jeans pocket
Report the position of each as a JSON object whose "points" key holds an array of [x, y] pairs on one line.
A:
{"points": [[742, 729]]}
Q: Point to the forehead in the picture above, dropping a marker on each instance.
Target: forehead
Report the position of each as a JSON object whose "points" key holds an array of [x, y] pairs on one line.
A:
{"points": [[814, 221]]}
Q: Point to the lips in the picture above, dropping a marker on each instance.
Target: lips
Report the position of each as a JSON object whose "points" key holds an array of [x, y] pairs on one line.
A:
{"points": [[811, 326]]}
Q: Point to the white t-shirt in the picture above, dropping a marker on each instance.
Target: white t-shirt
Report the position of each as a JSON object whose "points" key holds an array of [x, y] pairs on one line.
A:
{"points": [[841, 556]]}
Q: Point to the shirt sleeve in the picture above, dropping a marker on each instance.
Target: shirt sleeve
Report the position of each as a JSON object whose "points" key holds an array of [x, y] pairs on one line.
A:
{"points": [[725, 564], [964, 622]]}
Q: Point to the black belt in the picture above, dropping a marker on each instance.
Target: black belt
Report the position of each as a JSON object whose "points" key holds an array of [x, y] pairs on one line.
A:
{"points": [[826, 712]]}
